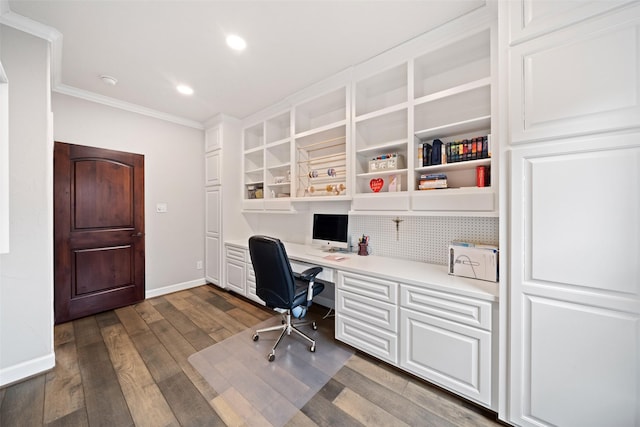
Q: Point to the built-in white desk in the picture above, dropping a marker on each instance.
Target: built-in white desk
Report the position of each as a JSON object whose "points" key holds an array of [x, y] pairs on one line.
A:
{"points": [[410, 314]]}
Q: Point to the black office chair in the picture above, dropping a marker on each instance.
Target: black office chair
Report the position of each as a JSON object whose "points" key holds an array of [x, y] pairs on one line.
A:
{"points": [[282, 289]]}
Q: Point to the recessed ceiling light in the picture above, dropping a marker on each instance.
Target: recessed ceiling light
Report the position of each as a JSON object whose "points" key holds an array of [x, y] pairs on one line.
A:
{"points": [[236, 42], [111, 81], [184, 89]]}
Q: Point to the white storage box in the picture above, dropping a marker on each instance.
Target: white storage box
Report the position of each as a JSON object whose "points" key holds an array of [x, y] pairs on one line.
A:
{"points": [[474, 261]]}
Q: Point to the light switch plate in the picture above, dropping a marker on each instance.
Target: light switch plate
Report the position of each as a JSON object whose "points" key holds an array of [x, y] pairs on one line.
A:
{"points": [[161, 208]]}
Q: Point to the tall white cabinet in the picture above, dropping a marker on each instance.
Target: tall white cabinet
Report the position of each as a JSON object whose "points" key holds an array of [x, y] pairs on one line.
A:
{"points": [[572, 296], [220, 131]]}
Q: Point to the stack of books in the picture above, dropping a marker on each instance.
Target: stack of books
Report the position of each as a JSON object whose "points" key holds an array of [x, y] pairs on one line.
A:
{"points": [[432, 181]]}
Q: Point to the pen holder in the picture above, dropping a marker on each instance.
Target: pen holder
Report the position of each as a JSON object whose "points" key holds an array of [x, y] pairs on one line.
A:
{"points": [[363, 249]]}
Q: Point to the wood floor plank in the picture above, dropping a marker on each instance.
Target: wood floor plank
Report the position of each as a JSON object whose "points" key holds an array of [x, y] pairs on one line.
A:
{"points": [[158, 360], [131, 320], [63, 333], [378, 372], [450, 407], [325, 414], [86, 331], [221, 335], [224, 410], [23, 403], [200, 312], [106, 318], [74, 419], [365, 411], [148, 312], [64, 393], [185, 325], [180, 350], [146, 403], [188, 405], [213, 297], [386, 399], [105, 403], [243, 317]]}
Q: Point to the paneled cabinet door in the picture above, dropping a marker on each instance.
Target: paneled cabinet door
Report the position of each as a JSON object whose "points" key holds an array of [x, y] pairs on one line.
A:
{"points": [[213, 139], [235, 276], [212, 168], [213, 246], [575, 283], [455, 356], [212, 266]]}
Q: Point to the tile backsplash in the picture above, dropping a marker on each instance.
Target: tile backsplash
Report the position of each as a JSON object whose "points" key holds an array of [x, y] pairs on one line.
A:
{"points": [[420, 238]]}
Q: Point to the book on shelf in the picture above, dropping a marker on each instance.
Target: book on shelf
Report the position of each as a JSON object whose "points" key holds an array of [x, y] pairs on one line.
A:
{"points": [[438, 153], [432, 184]]}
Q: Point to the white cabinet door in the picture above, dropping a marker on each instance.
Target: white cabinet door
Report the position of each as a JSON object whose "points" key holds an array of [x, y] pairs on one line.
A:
{"points": [[213, 245], [212, 210], [212, 257], [213, 139], [212, 168], [585, 78], [362, 335], [235, 276], [455, 356], [575, 282]]}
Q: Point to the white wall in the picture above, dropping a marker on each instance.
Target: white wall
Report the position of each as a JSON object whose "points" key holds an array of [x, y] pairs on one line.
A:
{"points": [[26, 272], [174, 174]]}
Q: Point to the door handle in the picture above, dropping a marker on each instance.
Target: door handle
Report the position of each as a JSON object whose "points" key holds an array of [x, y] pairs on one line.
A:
{"points": [[137, 234]]}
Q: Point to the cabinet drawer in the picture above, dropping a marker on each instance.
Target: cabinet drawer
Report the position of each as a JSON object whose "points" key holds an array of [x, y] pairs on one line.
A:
{"points": [[467, 311], [382, 290], [235, 253], [454, 356], [368, 310], [235, 276], [374, 341]]}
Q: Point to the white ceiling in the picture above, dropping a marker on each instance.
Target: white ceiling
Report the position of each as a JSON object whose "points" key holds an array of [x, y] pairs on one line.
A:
{"points": [[151, 46]]}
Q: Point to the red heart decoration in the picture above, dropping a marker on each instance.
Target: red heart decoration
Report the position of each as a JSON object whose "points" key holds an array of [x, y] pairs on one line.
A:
{"points": [[376, 184]]}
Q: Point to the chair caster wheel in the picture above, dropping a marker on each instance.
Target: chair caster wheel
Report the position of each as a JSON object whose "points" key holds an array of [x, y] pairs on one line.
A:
{"points": [[271, 357], [314, 326], [255, 337], [312, 349]]}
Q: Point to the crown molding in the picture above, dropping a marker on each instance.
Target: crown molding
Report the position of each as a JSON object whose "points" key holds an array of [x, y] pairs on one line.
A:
{"points": [[116, 103]]}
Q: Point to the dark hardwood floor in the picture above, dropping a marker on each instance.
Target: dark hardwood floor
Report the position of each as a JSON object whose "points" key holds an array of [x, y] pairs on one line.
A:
{"points": [[129, 367]]}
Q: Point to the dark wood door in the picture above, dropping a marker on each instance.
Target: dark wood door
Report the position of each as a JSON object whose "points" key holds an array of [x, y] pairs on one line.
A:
{"points": [[98, 230]]}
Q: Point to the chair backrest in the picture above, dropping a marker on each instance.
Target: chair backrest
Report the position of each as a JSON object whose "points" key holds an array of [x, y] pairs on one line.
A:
{"points": [[275, 283]]}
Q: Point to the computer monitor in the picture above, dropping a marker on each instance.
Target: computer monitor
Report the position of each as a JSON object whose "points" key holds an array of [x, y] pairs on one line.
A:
{"points": [[330, 231]]}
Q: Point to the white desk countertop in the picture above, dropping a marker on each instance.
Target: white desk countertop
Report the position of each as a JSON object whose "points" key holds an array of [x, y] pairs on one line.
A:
{"points": [[431, 276]]}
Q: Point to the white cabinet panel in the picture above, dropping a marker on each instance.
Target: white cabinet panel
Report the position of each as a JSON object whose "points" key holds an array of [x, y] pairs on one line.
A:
{"points": [[235, 276], [235, 253], [212, 256], [582, 208], [377, 342], [529, 18], [374, 312], [584, 80], [212, 168], [455, 356], [379, 289], [213, 139], [212, 210], [585, 353], [459, 309]]}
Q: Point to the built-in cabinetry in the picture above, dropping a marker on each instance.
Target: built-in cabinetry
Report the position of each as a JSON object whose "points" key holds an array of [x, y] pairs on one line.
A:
{"points": [[573, 303], [239, 275], [360, 140], [298, 154], [220, 131], [439, 336], [213, 208], [444, 94]]}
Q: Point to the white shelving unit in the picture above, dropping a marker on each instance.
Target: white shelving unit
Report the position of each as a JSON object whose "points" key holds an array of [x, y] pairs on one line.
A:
{"points": [[452, 101], [321, 136]]}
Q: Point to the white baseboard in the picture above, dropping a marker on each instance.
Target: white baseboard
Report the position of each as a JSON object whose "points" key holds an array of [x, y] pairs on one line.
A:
{"points": [[27, 369], [150, 293]]}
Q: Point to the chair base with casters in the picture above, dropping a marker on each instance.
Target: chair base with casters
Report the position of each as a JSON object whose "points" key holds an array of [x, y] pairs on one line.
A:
{"points": [[286, 328], [288, 293]]}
